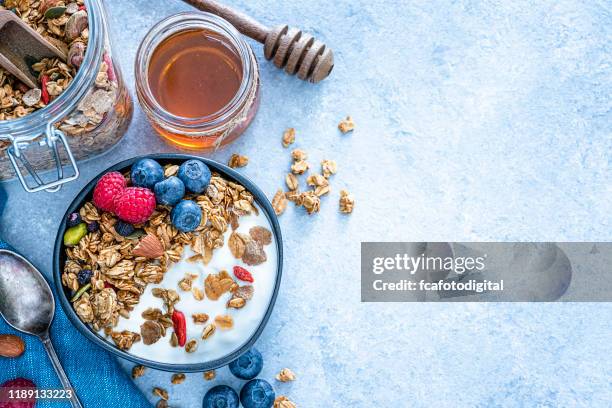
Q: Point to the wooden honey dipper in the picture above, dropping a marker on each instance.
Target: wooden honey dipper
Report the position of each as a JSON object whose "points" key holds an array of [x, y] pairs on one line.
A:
{"points": [[287, 47]]}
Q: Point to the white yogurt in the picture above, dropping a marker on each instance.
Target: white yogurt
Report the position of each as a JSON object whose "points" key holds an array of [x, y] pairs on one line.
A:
{"points": [[222, 342]]}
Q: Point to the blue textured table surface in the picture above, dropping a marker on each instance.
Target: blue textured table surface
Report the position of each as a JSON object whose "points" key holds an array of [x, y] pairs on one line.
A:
{"points": [[475, 121]]}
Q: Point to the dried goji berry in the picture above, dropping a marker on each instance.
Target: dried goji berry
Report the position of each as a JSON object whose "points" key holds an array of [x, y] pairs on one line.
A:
{"points": [[180, 327], [82, 7], [110, 69], [243, 274], [44, 92]]}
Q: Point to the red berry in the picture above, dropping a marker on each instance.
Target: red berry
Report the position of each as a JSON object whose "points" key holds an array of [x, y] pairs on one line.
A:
{"points": [[135, 204], [17, 384], [108, 187], [243, 274]]}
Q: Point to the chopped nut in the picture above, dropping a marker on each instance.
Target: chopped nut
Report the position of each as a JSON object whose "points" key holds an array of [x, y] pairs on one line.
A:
{"points": [[191, 346], [161, 393], [291, 181], [288, 137], [328, 168], [138, 371], [346, 125], [285, 375], [299, 155], [208, 331], [224, 322], [210, 375], [199, 318], [347, 202], [283, 402], [300, 167], [279, 202], [177, 378], [238, 161]]}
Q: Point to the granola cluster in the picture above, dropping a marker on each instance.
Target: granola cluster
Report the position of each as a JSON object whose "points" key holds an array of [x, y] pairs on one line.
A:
{"points": [[121, 267]]}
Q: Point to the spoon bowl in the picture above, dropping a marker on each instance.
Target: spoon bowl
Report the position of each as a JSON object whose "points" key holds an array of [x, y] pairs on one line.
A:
{"points": [[26, 300]]}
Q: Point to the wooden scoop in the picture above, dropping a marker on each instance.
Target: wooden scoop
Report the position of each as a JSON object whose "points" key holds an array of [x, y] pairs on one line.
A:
{"points": [[289, 48], [20, 45]]}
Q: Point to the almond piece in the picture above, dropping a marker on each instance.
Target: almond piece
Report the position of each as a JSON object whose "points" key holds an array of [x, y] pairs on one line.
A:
{"points": [[149, 247], [11, 346]]}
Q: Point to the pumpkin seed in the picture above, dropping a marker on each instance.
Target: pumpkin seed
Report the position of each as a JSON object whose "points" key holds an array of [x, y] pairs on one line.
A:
{"points": [[55, 12]]}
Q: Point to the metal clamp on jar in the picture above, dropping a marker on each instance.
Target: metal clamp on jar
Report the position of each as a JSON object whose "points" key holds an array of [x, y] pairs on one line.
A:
{"points": [[86, 119]]}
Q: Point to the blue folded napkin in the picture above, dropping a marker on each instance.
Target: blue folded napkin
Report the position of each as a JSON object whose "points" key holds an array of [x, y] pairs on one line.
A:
{"points": [[94, 373]]}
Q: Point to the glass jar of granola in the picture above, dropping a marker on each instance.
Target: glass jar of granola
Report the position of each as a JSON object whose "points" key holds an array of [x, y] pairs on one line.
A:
{"points": [[82, 106]]}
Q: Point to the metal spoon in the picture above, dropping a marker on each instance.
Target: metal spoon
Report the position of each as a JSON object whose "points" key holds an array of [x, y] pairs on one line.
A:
{"points": [[27, 304]]}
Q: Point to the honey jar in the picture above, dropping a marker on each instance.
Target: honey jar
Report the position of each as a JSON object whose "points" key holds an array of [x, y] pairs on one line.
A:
{"points": [[197, 80]]}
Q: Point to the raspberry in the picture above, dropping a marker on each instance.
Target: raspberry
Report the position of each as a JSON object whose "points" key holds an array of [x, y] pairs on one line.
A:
{"points": [[243, 274], [135, 204], [108, 187], [17, 384]]}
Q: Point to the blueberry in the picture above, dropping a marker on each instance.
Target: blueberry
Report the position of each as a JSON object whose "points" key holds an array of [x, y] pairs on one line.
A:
{"points": [[84, 276], [146, 172], [93, 226], [170, 191], [248, 365], [221, 396], [186, 216], [257, 394], [123, 228], [195, 174], [73, 220]]}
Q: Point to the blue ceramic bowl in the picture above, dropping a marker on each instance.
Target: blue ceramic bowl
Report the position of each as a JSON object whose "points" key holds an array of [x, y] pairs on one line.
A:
{"points": [[59, 258]]}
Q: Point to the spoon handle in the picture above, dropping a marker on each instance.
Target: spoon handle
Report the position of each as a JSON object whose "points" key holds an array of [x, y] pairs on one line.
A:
{"points": [[60, 372]]}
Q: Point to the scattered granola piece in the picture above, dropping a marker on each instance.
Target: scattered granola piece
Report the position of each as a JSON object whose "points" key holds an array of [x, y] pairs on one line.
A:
{"points": [[279, 202], [171, 170], [197, 293], [328, 168], [161, 393], [224, 322], [138, 371], [191, 346], [254, 253], [317, 180], [236, 243], [294, 196], [210, 375], [311, 202], [174, 340], [300, 167], [199, 318], [291, 181], [208, 331], [238, 161], [299, 155], [347, 202], [283, 402], [285, 375], [216, 285], [236, 303], [125, 339], [151, 332], [346, 125], [244, 292], [262, 235], [31, 97], [288, 137], [185, 284], [177, 378], [162, 404], [152, 314]]}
